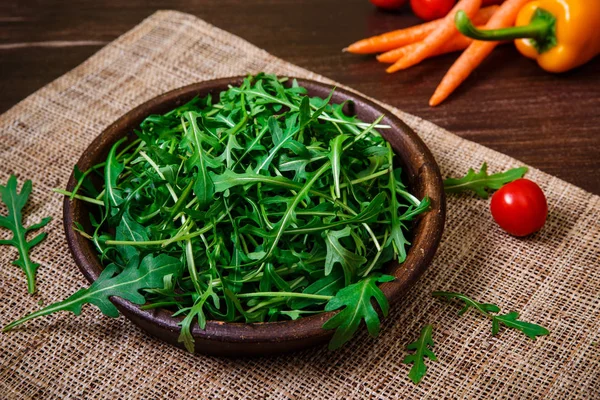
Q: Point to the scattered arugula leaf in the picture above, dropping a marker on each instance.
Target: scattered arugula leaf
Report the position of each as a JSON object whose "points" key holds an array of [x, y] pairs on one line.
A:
{"points": [[13, 221], [481, 182], [271, 201], [510, 320], [422, 351]]}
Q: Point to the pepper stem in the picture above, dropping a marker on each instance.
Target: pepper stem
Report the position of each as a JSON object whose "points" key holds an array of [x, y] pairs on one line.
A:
{"points": [[541, 30]]}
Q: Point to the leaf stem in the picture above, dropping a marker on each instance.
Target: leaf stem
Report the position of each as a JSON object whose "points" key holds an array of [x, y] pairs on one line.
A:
{"points": [[285, 294], [78, 197]]}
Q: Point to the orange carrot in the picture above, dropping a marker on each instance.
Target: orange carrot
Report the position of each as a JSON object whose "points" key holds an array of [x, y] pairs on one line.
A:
{"points": [[402, 37], [456, 43], [437, 38], [476, 52]]}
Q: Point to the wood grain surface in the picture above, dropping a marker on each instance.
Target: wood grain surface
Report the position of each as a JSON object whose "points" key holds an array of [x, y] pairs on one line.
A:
{"points": [[549, 121]]}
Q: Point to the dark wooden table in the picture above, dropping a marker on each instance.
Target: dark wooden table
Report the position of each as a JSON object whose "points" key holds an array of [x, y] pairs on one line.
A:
{"points": [[510, 104]]}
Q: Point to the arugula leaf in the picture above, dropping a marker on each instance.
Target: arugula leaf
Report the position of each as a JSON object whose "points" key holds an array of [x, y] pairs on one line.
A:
{"points": [[228, 153], [397, 238], [13, 221], [147, 274], [336, 253], [369, 214], [356, 300], [229, 179], [335, 156], [481, 182], [510, 320], [194, 312], [483, 308], [422, 351], [328, 285], [113, 196], [130, 230]]}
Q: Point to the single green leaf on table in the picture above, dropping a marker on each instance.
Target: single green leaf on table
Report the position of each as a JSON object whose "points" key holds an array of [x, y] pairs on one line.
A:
{"points": [[147, 274], [480, 182], [13, 221], [356, 300], [510, 320], [422, 351], [483, 308]]}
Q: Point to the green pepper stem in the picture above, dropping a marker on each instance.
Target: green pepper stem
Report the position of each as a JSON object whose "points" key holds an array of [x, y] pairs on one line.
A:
{"points": [[540, 28]]}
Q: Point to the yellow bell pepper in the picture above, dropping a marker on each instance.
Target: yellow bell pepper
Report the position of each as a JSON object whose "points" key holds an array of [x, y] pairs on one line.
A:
{"points": [[559, 34]]}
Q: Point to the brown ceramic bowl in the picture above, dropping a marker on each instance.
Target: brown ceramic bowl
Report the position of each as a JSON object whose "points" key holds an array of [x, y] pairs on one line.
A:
{"points": [[240, 339]]}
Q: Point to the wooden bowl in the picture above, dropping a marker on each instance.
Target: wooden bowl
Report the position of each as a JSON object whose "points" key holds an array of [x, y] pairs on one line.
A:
{"points": [[240, 339]]}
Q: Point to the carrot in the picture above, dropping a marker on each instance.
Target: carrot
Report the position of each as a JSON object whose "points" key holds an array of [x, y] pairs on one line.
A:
{"points": [[402, 37], [476, 52], [456, 43], [437, 38]]}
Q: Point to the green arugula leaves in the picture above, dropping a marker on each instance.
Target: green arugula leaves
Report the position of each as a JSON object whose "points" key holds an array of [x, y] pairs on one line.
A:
{"points": [[422, 351], [13, 221], [336, 253], [509, 320], [274, 204], [422, 345], [481, 182]]}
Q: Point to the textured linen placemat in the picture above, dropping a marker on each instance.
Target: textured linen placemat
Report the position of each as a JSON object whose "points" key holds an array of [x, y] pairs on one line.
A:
{"points": [[553, 278]]}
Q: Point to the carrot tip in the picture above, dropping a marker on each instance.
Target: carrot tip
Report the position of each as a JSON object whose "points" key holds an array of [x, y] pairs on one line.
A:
{"points": [[345, 50], [435, 100]]}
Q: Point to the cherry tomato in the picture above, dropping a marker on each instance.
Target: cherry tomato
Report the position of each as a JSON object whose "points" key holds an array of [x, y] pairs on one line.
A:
{"points": [[520, 207], [431, 9], [389, 4]]}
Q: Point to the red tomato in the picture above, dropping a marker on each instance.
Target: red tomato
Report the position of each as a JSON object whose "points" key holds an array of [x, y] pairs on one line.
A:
{"points": [[520, 207], [431, 9], [389, 4]]}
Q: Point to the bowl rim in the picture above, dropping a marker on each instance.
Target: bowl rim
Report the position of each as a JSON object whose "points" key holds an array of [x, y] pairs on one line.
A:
{"points": [[427, 231]]}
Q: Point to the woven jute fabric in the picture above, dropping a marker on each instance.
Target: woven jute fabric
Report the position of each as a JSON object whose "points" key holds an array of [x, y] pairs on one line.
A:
{"points": [[552, 278]]}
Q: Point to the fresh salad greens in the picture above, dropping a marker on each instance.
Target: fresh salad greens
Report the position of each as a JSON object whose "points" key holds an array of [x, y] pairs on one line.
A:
{"points": [[510, 320], [423, 345], [422, 350], [481, 182], [261, 205], [13, 221]]}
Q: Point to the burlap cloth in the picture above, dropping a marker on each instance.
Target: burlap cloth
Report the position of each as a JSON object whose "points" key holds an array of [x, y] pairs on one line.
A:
{"points": [[553, 278]]}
